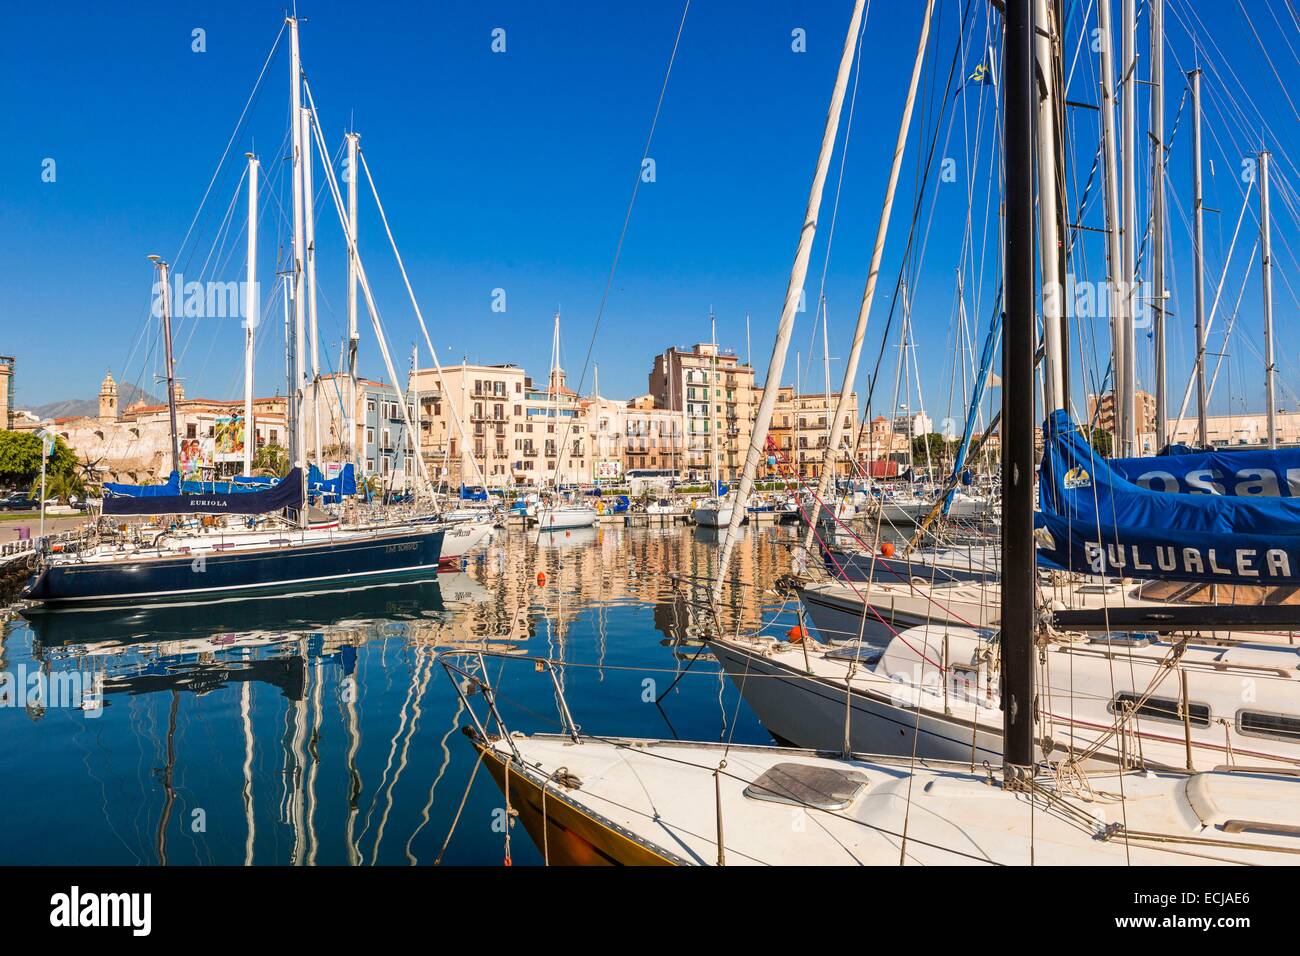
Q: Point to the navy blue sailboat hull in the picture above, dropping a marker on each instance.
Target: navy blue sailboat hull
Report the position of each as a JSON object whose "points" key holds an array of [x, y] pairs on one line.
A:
{"points": [[183, 578]]}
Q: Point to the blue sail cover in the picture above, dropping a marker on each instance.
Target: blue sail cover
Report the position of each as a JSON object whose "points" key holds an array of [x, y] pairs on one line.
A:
{"points": [[171, 487], [1098, 522], [1255, 472], [232, 486], [333, 489], [286, 494]]}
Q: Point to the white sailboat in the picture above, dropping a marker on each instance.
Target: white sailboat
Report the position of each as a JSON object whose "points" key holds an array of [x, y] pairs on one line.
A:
{"points": [[714, 511], [558, 514]]}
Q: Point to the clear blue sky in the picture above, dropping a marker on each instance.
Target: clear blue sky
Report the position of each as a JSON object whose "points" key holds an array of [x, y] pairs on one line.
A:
{"points": [[514, 171]]}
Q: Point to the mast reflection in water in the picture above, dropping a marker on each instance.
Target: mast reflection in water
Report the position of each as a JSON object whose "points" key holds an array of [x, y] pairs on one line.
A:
{"points": [[318, 728]]}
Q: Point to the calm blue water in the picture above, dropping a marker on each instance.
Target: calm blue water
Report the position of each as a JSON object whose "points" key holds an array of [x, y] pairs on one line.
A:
{"points": [[324, 729]]}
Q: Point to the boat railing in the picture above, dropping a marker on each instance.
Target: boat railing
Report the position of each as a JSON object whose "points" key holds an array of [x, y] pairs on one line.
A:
{"points": [[463, 678]]}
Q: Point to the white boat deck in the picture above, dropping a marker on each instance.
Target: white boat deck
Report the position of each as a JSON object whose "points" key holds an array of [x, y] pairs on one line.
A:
{"points": [[663, 793]]}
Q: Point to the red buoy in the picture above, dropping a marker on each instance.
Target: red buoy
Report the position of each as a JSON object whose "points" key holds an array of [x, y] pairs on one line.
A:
{"points": [[795, 635], [887, 549], [541, 579]]}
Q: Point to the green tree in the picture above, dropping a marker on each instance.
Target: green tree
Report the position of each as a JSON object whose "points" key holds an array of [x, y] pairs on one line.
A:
{"points": [[20, 461], [1101, 442], [938, 450], [272, 460], [20, 457], [63, 485]]}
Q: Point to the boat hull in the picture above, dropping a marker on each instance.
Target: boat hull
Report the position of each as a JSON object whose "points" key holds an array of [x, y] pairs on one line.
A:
{"points": [[713, 517], [562, 520], [565, 834], [149, 580], [463, 537], [808, 712], [859, 567]]}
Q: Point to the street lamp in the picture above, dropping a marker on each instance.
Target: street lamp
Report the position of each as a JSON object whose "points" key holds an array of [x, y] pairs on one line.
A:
{"points": [[47, 448]]}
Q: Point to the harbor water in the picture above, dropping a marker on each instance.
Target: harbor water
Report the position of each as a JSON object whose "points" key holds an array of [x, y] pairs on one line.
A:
{"points": [[324, 729]]}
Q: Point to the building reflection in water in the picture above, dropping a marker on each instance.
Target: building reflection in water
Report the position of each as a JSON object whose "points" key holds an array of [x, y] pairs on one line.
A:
{"points": [[319, 727]]}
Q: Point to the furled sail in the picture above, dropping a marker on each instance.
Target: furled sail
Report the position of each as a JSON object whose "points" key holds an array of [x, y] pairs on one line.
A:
{"points": [[1094, 520], [286, 494]]}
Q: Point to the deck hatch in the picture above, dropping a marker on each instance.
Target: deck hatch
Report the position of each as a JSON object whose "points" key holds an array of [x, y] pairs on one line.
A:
{"points": [[862, 653], [804, 785]]}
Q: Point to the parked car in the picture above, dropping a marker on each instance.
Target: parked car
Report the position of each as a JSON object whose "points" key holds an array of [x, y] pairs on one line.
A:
{"points": [[18, 501]]}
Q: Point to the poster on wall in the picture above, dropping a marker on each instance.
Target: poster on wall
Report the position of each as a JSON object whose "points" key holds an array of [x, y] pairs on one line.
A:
{"points": [[228, 438], [196, 457], [608, 469]]}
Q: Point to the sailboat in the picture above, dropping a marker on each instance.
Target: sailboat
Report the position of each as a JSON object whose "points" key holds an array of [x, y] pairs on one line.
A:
{"points": [[586, 799], [715, 510], [558, 514], [182, 566]]}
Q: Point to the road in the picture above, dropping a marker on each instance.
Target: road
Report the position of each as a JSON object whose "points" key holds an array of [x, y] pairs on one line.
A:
{"points": [[9, 527]]}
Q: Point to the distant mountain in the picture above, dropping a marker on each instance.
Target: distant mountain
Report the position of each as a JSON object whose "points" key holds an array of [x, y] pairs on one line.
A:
{"points": [[128, 395]]}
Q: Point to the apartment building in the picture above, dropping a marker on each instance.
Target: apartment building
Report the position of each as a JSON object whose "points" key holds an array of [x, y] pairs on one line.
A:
{"points": [[714, 393], [470, 419], [800, 431]]}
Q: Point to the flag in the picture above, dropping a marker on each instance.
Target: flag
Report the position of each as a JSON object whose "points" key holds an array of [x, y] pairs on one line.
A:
{"points": [[982, 75]]}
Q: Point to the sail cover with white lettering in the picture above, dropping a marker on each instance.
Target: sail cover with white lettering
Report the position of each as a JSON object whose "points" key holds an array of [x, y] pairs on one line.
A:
{"points": [[1094, 520], [1247, 472]]}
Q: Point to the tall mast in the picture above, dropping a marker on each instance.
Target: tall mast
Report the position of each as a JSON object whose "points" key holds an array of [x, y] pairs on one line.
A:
{"points": [[708, 394], [298, 452], [1266, 281], [873, 274], [1019, 583], [798, 412], [414, 392], [309, 226], [251, 307], [353, 337], [1114, 253], [1128, 76], [1158, 214], [1198, 260], [793, 292], [552, 387], [826, 397], [165, 285], [1049, 225]]}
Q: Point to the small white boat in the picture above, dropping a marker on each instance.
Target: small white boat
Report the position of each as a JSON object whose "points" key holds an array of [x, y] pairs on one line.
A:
{"points": [[462, 537], [563, 517], [713, 512]]}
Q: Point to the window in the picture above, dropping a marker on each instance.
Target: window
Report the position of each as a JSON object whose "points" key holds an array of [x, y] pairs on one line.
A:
{"points": [[1161, 708], [370, 406], [191, 430], [370, 464], [370, 436], [1277, 726]]}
